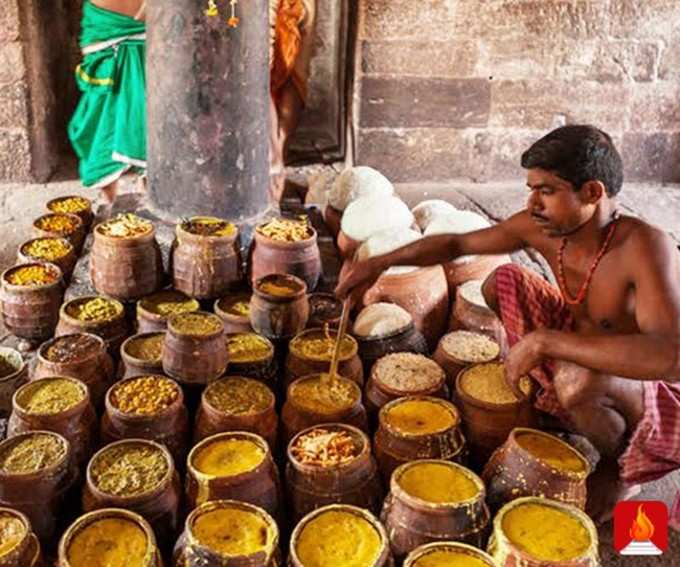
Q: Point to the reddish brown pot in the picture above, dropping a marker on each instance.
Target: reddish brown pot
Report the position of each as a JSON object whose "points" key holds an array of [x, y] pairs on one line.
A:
{"points": [[133, 366], [149, 321], [276, 316], [66, 263], [472, 316], [419, 555], [31, 311], [453, 364], [324, 309], [26, 552], [487, 425], [86, 215], [152, 555], [299, 364], [11, 382], [39, 495], [159, 506], [507, 554], [189, 552], [423, 293], [380, 390], [394, 446], [233, 322], [94, 367], [211, 419], [114, 331], [301, 258], [126, 268], [477, 268], [384, 557], [77, 424], [300, 411], [333, 218], [75, 236], [262, 368], [412, 522], [347, 246], [408, 339], [357, 483], [260, 486], [195, 359], [169, 427], [512, 472], [205, 267]]}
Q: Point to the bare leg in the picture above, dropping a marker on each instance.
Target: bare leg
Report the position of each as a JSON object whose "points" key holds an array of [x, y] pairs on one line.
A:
{"points": [[110, 192]]}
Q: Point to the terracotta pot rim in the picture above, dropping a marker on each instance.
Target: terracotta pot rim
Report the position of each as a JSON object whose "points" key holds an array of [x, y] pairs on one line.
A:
{"points": [[396, 488], [383, 423], [371, 339], [123, 240], [157, 490], [66, 241], [51, 202], [157, 317], [72, 411], [583, 518], [217, 504], [22, 367], [79, 228], [356, 433], [413, 275], [284, 244], [452, 358], [183, 336], [570, 474], [401, 394], [304, 333], [423, 550], [113, 411], [127, 357], [58, 282], [270, 350], [182, 233], [43, 348], [326, 295], [47, 470], [28, 530], [270, 405], [301, 292], [463, 395], [357, 400], [119, 316], [90, 517]]}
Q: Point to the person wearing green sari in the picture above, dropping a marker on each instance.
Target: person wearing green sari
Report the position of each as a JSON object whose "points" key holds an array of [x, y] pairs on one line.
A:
{"points": [[108, 128]]}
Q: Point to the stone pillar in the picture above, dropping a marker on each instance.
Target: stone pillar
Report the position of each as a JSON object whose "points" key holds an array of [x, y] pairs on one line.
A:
{"points": [[208, 109]]}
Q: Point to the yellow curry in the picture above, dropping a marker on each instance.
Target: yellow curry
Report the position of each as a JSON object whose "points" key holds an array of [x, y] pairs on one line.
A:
{"points": [[420, 417], [228, 457], [438, 483], [109, 542]]}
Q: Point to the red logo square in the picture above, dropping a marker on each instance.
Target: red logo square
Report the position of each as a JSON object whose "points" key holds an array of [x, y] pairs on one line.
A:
{"points": [[641, 527]]}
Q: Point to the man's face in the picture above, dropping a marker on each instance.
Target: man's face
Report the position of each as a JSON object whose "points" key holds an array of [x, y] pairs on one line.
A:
{"points": [[554, 205]]}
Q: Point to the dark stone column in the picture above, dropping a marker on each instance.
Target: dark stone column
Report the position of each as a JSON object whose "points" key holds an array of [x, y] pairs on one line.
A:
{"points": [[208, 109]]}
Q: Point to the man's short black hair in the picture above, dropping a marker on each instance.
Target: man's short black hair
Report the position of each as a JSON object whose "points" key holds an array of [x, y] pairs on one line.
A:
{"points": [[577, 154]]}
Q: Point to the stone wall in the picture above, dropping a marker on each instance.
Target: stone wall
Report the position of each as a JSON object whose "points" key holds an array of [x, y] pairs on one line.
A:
{"points": [[459, 88]]}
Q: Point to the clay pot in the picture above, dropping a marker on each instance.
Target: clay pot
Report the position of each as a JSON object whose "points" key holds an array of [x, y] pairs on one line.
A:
{"points": [[126, 268], [452, 364], [13, 380], [513, 471], [301, 258], [211, 419], [347, 246], [39, 495], [113, 330], [259, 486], [233, 322], [158, 506], [93, 366], [190, 552], [31, 311], [299, 363], [473, 268], [356, 482], [395, 446], [507, 554], [324, 309], [195, 359], [279, 316], [421, 555], [473, 316], [332, 218], [422, 292], [149, 320], [86, 215], [300, 411], [77, 424], [205, 266], [152, 556], [66, 263], [412, 521], [262, 368], [169, 426], [384, 558], [26, 551], [487, 425], [134, 366], [408, 339], [75, 235]]}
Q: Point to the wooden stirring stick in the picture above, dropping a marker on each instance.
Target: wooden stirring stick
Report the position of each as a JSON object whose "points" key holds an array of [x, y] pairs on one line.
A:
{"points": [[342, 329]]}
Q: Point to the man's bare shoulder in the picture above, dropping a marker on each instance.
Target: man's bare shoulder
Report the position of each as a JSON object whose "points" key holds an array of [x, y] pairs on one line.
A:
{"points": [[645, 244]]}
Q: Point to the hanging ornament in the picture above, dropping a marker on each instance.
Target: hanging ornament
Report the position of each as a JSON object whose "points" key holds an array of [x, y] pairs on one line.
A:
{"points": [[233, 21], [212, 9]]}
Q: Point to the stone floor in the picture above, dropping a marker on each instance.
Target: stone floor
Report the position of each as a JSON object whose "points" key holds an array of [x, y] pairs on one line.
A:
{"points": [[660, 205]]}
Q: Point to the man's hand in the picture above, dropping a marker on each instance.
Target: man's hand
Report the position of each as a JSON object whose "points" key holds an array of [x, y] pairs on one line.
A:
{"points": [[524, 356], [359, 278]]}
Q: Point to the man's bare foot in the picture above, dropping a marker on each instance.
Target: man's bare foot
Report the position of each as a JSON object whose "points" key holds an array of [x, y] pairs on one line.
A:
{"points": [[605, 489]]}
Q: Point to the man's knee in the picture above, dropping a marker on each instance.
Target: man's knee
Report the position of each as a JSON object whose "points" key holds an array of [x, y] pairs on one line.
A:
{"points": [[490, 293], [575, 385]]}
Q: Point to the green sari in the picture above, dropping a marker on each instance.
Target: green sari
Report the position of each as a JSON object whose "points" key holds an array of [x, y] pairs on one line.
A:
{"points": [[108, 128]]}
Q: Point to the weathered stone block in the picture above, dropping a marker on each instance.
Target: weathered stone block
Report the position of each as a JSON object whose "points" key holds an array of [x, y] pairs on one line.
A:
{"points": [[651, 157], [9, 21], [420, 58], [406, 19], [648, 19], [411, 102], [655, 107], [15, 161], [13, 106], [669, 66], [12, 66]]}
